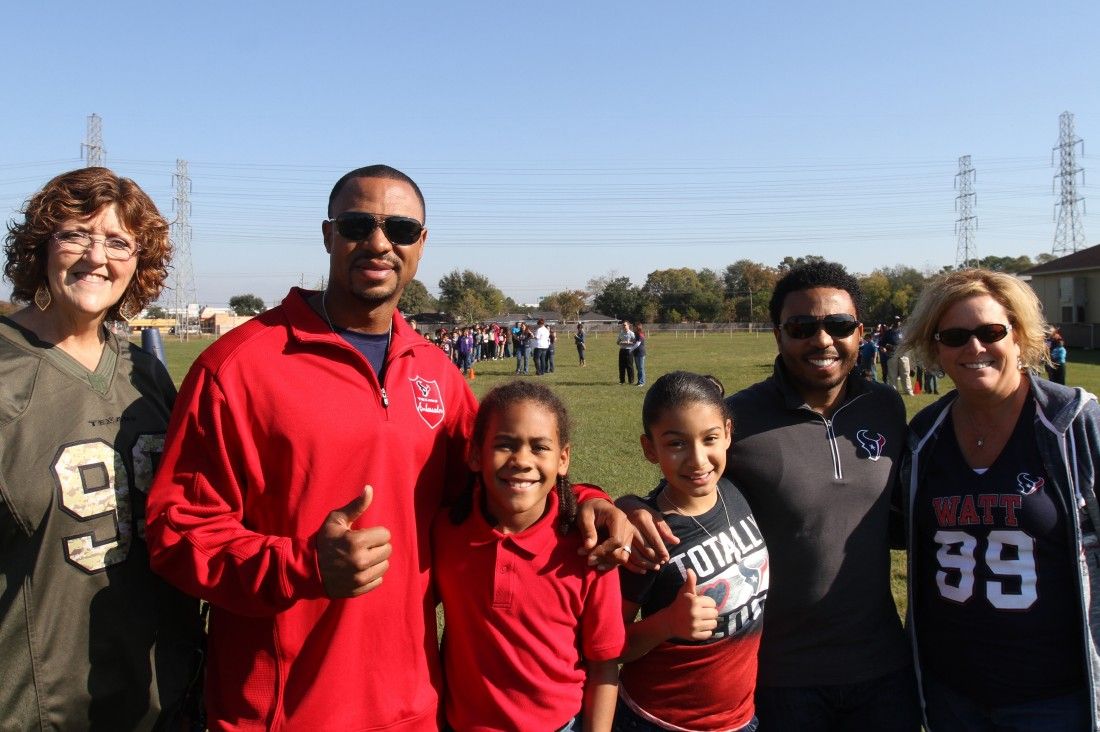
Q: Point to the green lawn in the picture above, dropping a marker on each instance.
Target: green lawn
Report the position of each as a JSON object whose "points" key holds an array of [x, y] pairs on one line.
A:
{"points": [[607, 416]]}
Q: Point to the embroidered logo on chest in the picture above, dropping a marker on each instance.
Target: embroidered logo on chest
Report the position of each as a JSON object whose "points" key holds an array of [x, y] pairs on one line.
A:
{"points": [[428, 399], [1028, 485], [872, 442]]}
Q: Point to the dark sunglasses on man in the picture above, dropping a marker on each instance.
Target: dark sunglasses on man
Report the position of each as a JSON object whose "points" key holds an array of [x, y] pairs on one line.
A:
{"points": [[358, 226], [958, 337], [839, 325]]}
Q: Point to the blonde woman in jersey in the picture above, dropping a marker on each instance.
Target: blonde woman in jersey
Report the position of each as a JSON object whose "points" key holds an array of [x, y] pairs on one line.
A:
{"points": [[90, 638]]}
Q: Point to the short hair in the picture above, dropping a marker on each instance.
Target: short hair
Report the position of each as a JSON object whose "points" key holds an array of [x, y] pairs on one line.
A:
{"points": [[79, 194], [812, 275], [1025, 313], [680, 388], [384, 172]]}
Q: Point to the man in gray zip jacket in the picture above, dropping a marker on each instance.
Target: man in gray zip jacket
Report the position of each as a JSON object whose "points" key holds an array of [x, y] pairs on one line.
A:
{"points": [[1067, 430]]}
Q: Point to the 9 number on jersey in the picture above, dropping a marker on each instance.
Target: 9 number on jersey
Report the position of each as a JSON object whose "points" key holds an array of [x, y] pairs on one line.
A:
{"points": [[92, 483]]}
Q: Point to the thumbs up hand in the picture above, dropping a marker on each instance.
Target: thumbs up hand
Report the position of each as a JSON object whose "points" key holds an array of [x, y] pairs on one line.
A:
{"points": [[692, 616], [352, 561]]}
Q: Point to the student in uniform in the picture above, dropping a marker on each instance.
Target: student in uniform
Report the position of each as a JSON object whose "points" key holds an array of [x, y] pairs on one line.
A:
{"points": [[533, 633]]}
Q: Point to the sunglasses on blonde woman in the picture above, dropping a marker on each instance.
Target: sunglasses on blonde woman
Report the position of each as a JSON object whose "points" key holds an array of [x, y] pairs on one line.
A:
{"points": [[958, 337]]}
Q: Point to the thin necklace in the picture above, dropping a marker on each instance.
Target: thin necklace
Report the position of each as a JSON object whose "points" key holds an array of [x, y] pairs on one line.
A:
{"points": [[694, 520], [324, 311], [978, 439]]}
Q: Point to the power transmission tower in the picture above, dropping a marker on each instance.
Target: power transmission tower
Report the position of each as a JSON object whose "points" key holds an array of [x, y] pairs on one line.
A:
{"points": [[1069, 234], [965, 253], [180, 232], [92, 148]]}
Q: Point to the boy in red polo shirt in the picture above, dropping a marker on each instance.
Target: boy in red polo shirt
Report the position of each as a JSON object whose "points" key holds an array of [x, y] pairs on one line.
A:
{"points": [[532, 632]]}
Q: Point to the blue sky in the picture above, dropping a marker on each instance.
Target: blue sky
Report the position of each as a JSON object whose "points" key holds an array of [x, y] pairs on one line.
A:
{"points": [[557, 142]]}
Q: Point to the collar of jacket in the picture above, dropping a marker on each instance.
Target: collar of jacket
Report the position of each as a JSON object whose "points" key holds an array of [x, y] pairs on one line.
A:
{"points": [[854, 386], [306, 326]]}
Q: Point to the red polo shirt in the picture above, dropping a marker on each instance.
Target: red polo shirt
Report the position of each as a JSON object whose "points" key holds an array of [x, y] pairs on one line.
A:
{"points": [[523, 614]]}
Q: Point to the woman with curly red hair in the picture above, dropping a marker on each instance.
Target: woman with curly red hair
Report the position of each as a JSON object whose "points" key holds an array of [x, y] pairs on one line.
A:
{"points": [[90, 638]]}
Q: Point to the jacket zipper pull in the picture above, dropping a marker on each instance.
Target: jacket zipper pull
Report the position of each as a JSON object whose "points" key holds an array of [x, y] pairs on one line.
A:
{"points": [[385, 399]]}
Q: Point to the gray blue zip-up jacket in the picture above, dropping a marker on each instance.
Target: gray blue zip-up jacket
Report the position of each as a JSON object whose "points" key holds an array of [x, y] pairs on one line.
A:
{"points": [[1067, 427], [821, 489]]}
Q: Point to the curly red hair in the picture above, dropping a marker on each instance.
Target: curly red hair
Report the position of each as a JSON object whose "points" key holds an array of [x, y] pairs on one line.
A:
{"points": [[79, 194]]}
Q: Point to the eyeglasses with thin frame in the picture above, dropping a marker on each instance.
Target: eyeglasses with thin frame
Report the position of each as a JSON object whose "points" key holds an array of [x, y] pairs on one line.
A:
{"points": [[358, 226], [837, 325], [79, 242], [959, 337]]}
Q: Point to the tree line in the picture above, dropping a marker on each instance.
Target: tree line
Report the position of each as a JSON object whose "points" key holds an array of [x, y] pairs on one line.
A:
{"points": [[738, 293]]}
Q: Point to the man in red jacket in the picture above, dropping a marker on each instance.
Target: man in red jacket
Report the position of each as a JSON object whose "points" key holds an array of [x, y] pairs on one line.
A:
{"points": [[327, 411]]}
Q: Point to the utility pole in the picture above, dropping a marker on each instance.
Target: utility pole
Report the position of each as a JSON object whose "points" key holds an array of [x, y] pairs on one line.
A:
{"points": [[180, 233], [965, 252], [1069, 234], [92, 148]]}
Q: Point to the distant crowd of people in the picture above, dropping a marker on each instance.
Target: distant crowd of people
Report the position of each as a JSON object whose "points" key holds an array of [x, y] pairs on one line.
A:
{"points": [[531, 347]]}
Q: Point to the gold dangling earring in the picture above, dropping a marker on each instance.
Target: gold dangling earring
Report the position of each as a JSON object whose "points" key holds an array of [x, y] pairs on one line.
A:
{"points": [[127, 310], [42, 298]]}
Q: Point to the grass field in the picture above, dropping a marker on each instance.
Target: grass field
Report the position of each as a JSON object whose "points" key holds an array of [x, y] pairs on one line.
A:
{"points": [[607, 416]]}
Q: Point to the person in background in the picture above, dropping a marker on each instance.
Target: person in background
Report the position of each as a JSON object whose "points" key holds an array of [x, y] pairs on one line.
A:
{"points": [[465, 349], [550, 349], [931, 383], [1056, 371], [1000, 497], [625, 341], [896, 360], [579, 340], [637, 352], [542, 345], [868, 356], [90, 637]]}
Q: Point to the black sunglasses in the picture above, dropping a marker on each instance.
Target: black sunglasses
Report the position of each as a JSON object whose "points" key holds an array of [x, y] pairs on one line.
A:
{"points": [[839, 325], [958, 337], [358, 226]]}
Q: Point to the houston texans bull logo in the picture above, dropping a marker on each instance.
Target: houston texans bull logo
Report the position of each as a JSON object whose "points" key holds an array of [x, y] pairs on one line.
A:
{"points": [[1028, 485], [873, 442], [428, 400]]}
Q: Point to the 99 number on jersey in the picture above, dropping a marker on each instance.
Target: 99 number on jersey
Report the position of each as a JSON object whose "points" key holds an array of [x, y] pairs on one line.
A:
{"points": [[93, 483], [955, 579]]}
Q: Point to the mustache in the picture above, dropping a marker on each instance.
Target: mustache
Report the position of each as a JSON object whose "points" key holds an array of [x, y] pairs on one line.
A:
{"points": [[391, 259]]}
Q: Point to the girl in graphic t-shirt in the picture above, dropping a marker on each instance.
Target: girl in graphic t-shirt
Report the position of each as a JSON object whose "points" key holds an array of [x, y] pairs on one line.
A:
{"points": [[690, 661]]}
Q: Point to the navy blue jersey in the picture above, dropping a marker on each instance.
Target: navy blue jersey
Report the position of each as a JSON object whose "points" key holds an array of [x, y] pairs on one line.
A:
{"points": [[998, 576]]}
